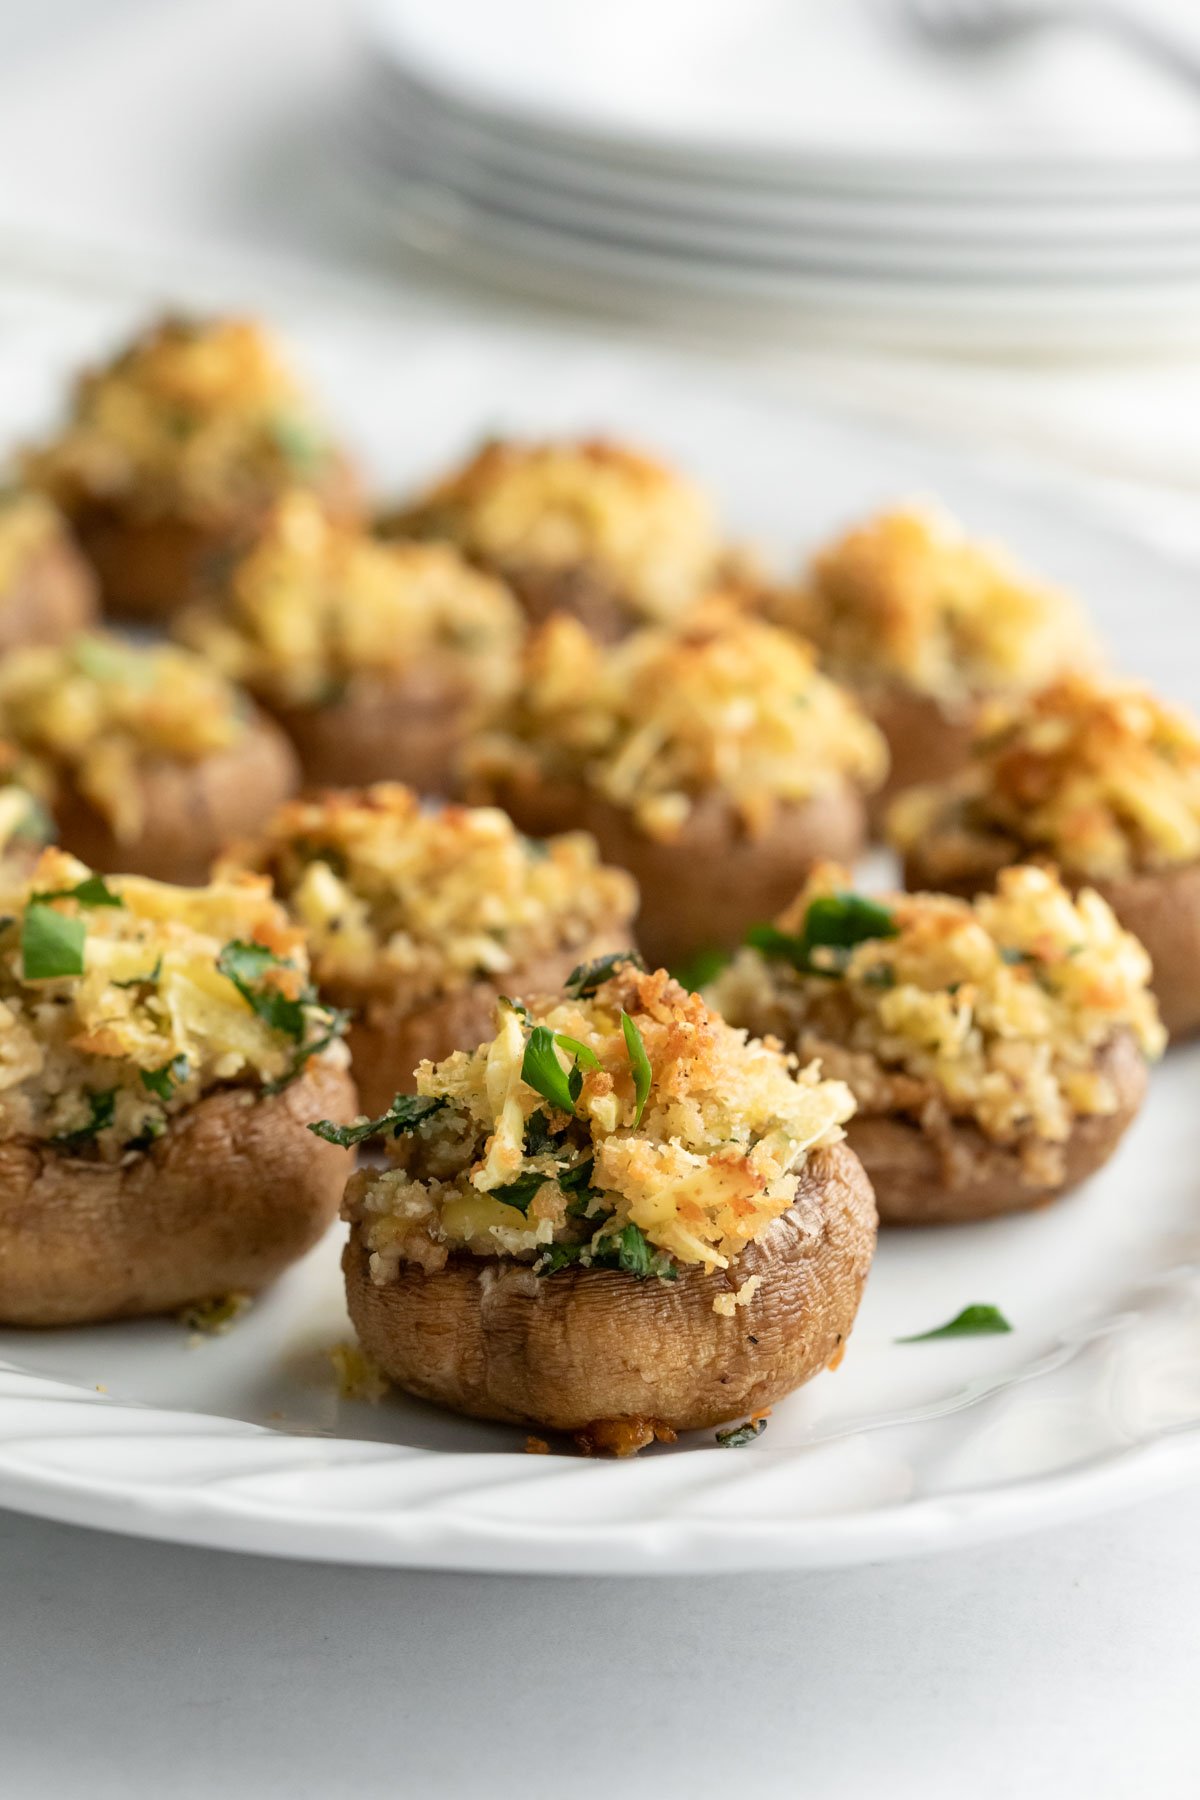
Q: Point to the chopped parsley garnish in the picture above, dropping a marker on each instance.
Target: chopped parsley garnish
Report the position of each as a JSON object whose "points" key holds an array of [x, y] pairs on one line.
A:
{"points": [[103, 660], [542, 1071], [145, 980], [164, 1081], [972, 1321], [583, 981], [102, 1108], [303, 446], [247, 966], [573, 1180], [836, 923], [406, 1112], [736, 1437], [520, 1192], [539, 1139], [51, 943], [639, 1062], [699, 969], [519, 1007], [627, 1250], [95, 891]]}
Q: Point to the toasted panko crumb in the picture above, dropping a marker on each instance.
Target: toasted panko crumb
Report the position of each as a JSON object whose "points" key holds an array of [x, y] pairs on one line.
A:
{"points": [[727, 1304], [724, 704], [359, 1377], [909, 598], [536, 1446], [622, 1437], [1101, 776]]}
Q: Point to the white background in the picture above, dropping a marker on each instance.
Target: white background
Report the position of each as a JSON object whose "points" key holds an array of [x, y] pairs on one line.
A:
{"points": [[1066, 1665]]}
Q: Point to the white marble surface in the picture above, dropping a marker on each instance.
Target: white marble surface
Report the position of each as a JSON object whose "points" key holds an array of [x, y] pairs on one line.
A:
{"points": [[1060, 1666], [1065, 1665]]}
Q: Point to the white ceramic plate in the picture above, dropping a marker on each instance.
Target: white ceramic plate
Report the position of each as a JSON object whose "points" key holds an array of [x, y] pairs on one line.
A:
{"points": [[241, 1442]]}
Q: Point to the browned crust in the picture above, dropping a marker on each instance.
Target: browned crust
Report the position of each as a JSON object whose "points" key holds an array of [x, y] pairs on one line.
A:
{"points": [[391, 1034], [489, 1338], [701, 889], [235, 1191], [1161, 907], [411, 729], [961, 1176], [927, 739], [53, 596], [191, 810], [149, 568]]}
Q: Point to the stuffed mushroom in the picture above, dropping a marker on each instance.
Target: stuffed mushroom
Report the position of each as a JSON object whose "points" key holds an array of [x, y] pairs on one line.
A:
{"points": [[592, 529], [380, 660], [925, 625], [1100, 778], [163, 1055], [616, 1209], [714, 762], [47, 590], [997, 1049], [147, 759], [417, 920], [174, 451]]}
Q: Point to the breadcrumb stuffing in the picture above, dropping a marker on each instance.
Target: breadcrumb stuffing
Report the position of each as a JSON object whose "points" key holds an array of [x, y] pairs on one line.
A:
{"points": [[213, 1318]]}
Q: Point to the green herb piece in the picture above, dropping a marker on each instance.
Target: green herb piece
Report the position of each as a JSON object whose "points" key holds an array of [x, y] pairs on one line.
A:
{"points": [[95, 891], [700, 969], [583, 981], [101, 660], [246, 965], [559, 1256], [51, 943], [164, 1081], [972, 1321], [102, 1108], [520, 1192], [639, 1062], [519, 1007], [834, 922], [406, 1112], [336, 1020], [882, 976], [581, 1052], [539, 1139], [542, 1071], [572, 1181], [736, 1437], [146, 980], [1014, 957], [631, 1253], [301, 443]]}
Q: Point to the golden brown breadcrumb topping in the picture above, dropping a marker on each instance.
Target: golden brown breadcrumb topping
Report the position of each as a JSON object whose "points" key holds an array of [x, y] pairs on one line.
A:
{"points": [[908, 598], [1102, 777], [724, 704], [992, 1010]]}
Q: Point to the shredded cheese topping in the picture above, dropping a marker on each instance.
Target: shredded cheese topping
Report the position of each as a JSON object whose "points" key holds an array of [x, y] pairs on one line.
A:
{"points": [[712, 1160], [909, 598], [990, 1010], [93, 711], [389, 892], [195, 419], [1102, 777], [636, 524], [725, 705], [99, 1061], [314, 604]]}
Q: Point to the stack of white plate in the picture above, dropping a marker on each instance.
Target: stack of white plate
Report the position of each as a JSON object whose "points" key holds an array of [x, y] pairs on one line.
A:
{"points": [[810, 161]]}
